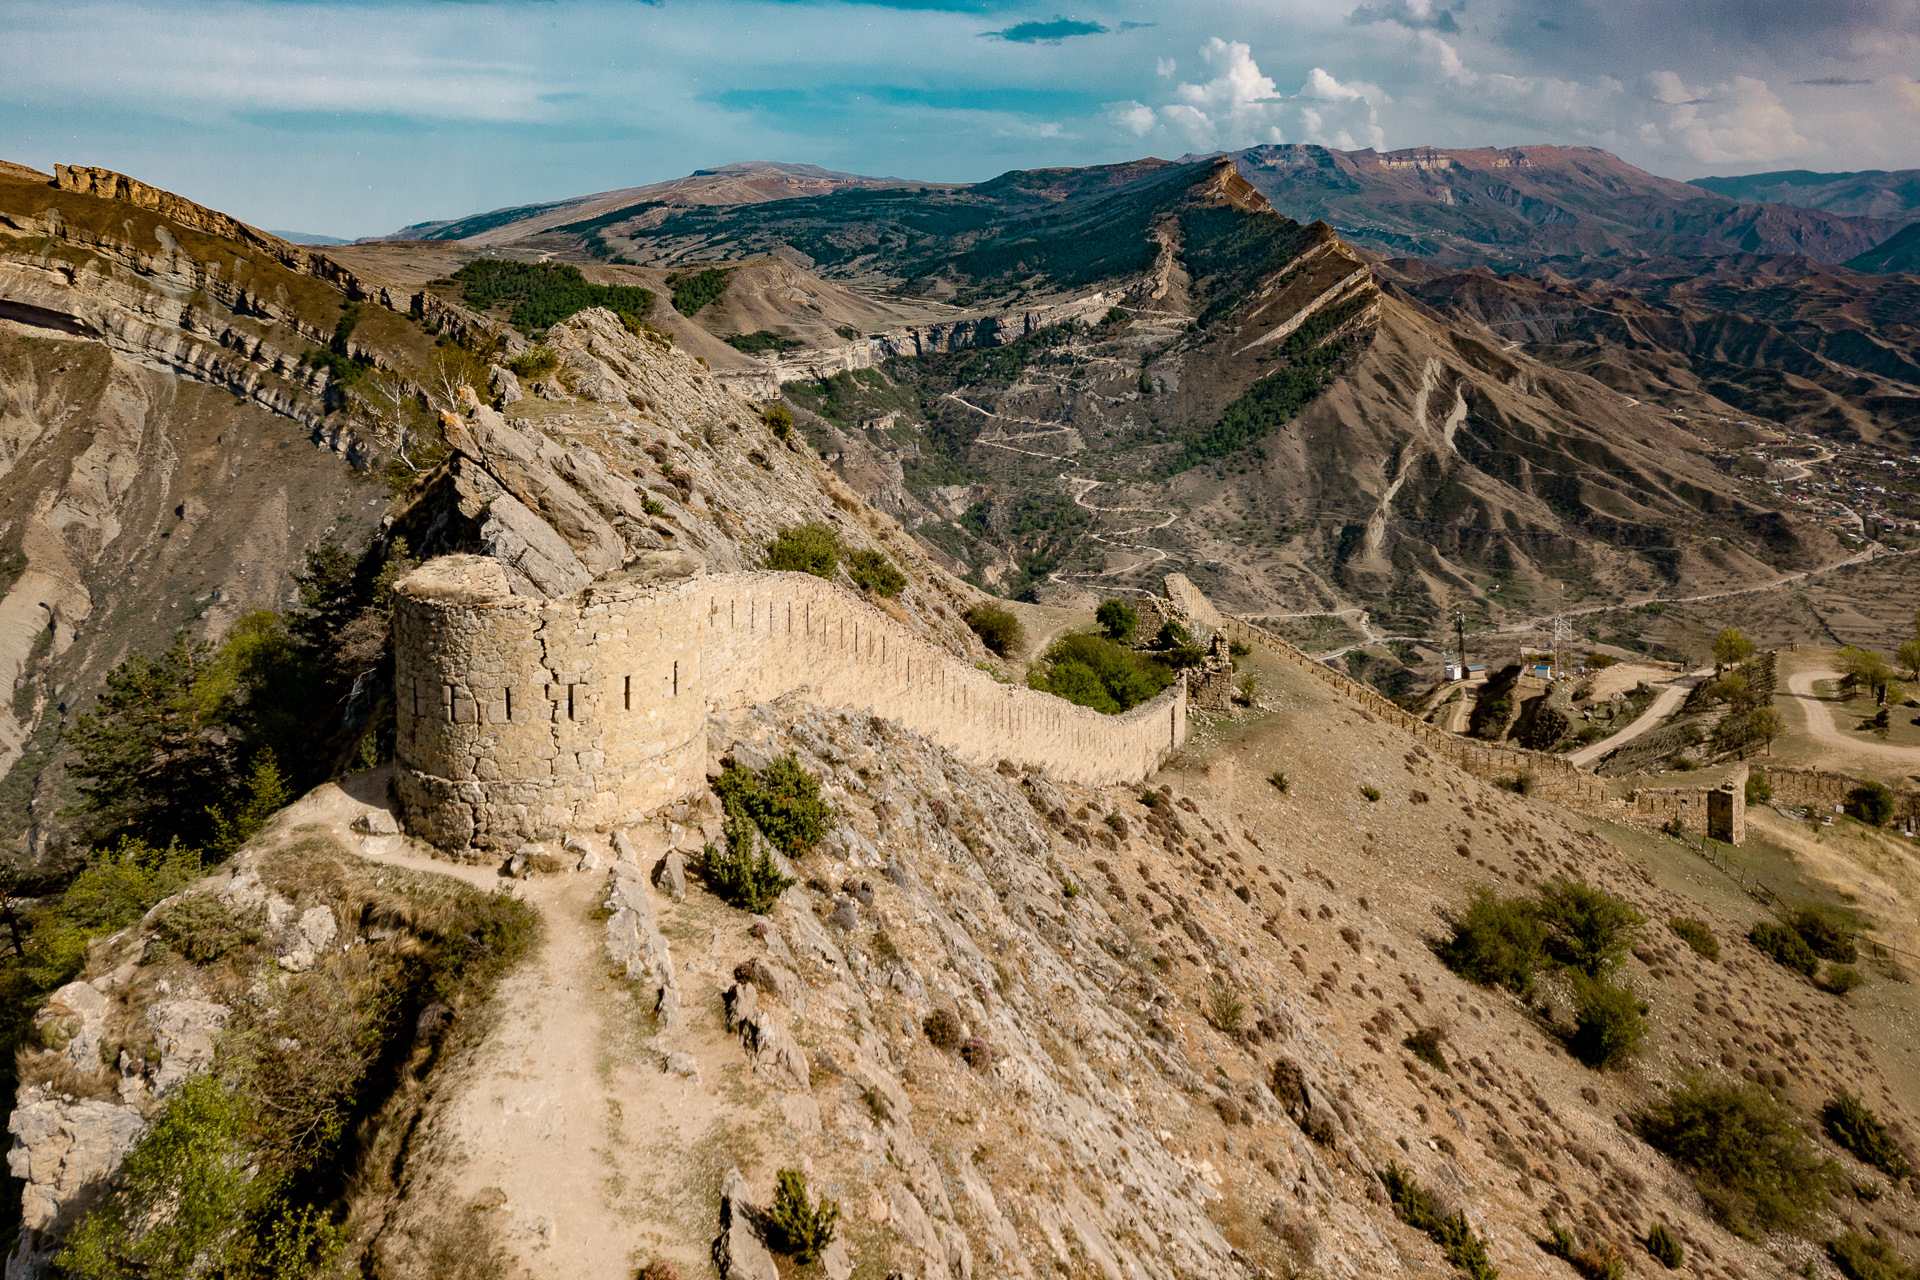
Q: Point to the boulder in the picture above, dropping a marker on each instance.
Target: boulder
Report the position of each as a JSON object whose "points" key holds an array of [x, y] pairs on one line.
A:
{"points": [[670, 876], [377, 822], [740, 1253]]}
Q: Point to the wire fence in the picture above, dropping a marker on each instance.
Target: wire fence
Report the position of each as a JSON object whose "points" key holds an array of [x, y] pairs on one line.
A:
{"points": [[1769, 898]]}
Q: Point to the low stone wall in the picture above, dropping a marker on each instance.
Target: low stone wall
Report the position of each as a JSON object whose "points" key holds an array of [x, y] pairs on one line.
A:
{"points": [[1828, 792], [520, 718], [1552, 777]]}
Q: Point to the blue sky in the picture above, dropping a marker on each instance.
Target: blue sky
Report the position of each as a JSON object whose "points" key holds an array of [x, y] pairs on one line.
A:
{"points": [[357, 118]]}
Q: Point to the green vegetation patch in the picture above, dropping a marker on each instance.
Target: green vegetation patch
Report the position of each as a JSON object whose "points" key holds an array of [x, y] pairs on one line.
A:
{"points": [[1745, 1150], [997, 628], [1451, 1231], [1092, 671], [1268, 403], [1854, 1126], [806, 548], [692, 292], [1496, 942], [1863, 1257], [1785, 945], [1697, 935], [1609, 1025], [800, 1226], [542, 294], [783, 804], [762, 340], [873, 572]]}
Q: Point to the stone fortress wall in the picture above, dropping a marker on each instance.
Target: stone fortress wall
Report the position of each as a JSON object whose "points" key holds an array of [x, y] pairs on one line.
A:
{"points": [[520, 718]]}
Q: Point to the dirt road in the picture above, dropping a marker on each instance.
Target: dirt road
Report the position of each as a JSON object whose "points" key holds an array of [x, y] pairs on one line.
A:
{"points": [[1662, 706], [1820, 723]]}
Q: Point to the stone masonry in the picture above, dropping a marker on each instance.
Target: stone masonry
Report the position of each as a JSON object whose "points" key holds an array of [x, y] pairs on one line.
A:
{"points": [[521, 718]]}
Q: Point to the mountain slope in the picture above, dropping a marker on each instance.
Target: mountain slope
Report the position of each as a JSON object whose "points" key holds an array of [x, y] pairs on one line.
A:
{"points": [[1353, 449], [1458, 207], [1898, 252], [1877, 192], [742, 182]]}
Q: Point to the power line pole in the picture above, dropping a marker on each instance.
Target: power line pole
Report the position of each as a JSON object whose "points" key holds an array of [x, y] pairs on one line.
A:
{"points": [[1460, 623]]}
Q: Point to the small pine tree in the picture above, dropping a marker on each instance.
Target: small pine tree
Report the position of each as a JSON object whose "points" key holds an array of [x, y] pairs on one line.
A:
{"points": [[267, 794]]}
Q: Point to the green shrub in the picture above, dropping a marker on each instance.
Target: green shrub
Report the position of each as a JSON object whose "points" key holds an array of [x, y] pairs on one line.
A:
{"points": [[1521, 784], [1225, 1010], [1587, 929], [1609, 1023], [1840, 980], [1744, 1150], [1117, 618], [997, 628], [741, 878], [1862, 1257], [1825, 934], [1371, 793], [741, 875], [1872, 803], [1424, 1044], [537, 361], [181, 1201], [1451, 1232], [779, 420], [873, 572], [1496, 942], [1665, 1246], [1175, 645], [1759, 790], [1785, 946], [1278, 781], [1594, 1264], [203, 928], [800, 1227], [784, 802], [806, 548], [1697, 935], [1854, 1127], [1092, 671]]}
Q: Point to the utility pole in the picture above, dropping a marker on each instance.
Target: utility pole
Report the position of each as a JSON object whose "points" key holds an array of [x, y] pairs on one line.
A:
{"points": [[1460, 625]]}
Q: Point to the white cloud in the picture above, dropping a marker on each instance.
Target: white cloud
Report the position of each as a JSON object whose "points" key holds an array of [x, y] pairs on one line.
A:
{"points": [[1242, 106], [1740, 120]]}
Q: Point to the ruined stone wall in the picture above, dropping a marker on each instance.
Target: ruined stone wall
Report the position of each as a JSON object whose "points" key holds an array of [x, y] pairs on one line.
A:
{"points": [[1828, 792], [1552, 777], [520, 718]]}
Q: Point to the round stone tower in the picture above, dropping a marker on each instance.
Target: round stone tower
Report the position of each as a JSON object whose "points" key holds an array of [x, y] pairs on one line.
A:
{"points": [[520, 718]]}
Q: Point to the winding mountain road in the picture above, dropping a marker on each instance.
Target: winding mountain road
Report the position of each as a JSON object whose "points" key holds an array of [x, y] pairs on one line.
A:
{"points": [[1820, 724]]}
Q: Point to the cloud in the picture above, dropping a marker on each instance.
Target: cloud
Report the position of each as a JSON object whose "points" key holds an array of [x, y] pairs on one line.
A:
{"points": [[1833, 80], [1047, 32], [1412, 14], [1739, 120]]}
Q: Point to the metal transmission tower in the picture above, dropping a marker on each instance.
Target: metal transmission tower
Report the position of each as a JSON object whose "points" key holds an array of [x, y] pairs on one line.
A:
{"points": [[1562, 637]]}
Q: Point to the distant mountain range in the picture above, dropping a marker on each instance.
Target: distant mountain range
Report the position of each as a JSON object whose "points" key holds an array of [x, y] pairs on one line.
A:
{"points": [[307, 237], [742, 182], [1879, 193], [1508, 208]]}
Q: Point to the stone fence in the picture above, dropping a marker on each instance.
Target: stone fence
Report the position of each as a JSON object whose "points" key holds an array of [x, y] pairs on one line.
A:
{"points": [[1550, 777], [1817, 789], [521, 718]]}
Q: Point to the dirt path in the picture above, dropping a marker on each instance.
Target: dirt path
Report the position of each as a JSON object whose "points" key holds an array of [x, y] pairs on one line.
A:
{"points": [[1820, 724], [1661, 707], [551, 1124]]}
